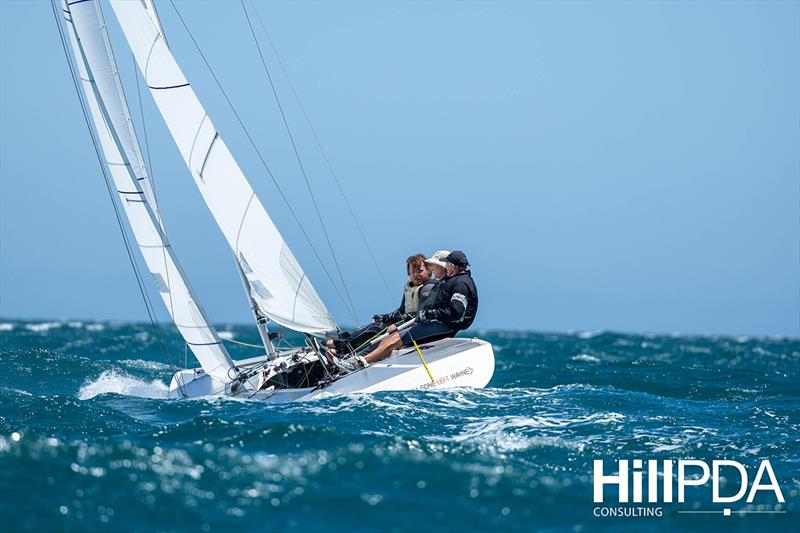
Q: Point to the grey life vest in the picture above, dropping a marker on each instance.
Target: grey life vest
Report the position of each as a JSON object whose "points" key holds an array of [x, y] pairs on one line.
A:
{"points": [[411, 298]]}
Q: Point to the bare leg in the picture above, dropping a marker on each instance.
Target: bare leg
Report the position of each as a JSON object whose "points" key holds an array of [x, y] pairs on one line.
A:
{"points": [[392, 342]]}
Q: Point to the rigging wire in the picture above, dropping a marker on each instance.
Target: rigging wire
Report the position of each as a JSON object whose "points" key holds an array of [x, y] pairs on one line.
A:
{"points": [[322, 151], [261, 158], [137, 274], [299, 160]]}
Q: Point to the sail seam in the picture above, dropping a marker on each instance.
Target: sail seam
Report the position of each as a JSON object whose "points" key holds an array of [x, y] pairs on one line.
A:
{"points": [[296, 295], [196, 135], [241, 223], [150, 53]]}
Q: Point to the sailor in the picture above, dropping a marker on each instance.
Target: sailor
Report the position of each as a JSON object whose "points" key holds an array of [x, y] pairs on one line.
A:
{"points": [[452, 309], [416, 292], [437, 264]]}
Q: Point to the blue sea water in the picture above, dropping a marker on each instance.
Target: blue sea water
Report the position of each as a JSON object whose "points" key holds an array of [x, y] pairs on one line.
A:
{"points": [[87, 441]]}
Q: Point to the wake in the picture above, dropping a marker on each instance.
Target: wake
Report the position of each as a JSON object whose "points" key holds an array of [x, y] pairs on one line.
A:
{"points": [[113, 382]]}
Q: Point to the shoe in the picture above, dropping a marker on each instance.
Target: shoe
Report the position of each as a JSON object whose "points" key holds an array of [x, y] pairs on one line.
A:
{"points": [[351, 364]]}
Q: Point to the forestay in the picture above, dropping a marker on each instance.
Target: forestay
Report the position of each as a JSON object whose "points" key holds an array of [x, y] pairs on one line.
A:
{"points": [[111, 116], [276, 282]]}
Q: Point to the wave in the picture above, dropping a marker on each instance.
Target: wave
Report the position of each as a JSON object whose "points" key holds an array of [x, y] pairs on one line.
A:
{"points": [[43, 327], [141, 364], [113, 382], [586, 358]]}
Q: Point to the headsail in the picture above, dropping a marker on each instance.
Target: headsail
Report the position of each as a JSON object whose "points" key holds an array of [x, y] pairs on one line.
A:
{"points": [[276, 281], [111, 116]]}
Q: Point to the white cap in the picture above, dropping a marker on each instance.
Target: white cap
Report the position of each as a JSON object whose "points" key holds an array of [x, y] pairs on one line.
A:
{"points": [[438, 258]]}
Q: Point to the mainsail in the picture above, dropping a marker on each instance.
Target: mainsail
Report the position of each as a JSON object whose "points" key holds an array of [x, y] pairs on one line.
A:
{"points": [[275, 280], [114, 128]]}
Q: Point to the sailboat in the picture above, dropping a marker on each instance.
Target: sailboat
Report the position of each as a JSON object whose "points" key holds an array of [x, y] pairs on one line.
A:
{"points": [[277, 288]]}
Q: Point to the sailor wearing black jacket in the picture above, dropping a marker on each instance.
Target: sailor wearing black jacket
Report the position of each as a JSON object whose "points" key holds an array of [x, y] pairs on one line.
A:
{"points": [[451, 308], [456, 301]]}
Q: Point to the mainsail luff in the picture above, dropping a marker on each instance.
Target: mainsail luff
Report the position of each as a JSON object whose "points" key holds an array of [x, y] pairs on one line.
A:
{"points": [[275, 281], [114, 128]]}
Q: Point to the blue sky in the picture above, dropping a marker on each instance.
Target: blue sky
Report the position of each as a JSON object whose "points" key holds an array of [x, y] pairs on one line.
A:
{"points": [[621, 166]]}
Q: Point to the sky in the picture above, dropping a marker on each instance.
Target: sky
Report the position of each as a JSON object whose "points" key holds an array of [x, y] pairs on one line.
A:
{"points": [[625, 166]]}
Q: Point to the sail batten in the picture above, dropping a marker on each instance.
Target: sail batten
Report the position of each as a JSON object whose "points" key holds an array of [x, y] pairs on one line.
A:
{"points": [[117, 138], [275, 281]]}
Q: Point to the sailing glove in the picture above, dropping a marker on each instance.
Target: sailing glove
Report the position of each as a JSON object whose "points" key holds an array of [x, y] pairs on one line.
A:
{"points": [[426, 314]]}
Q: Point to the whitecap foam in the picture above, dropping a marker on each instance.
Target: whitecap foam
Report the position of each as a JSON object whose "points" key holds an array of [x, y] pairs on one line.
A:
{"points": [[42, 327], [6, 326], [95, 327], [114, 382], [227, 335], [585, 357], [588, 334], [146, 365]]}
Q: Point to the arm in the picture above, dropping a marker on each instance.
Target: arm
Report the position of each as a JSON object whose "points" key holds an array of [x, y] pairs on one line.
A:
{"points": [[455, 309], [394, 316], [425, 292]]}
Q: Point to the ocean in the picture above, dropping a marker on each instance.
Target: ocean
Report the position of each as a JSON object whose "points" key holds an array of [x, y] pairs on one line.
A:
{"points": [[88, 442]]}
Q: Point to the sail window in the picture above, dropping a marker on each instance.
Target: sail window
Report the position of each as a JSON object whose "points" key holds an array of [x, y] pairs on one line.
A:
{"points": [[161, 285], [260, 289]]}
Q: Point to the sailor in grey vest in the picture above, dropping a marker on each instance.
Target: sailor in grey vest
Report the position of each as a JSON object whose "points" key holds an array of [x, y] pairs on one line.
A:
{"points": [[416, 291]]}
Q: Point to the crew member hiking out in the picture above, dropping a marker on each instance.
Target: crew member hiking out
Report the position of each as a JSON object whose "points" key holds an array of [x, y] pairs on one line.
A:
{"points": [[416, 292], [452, 309]]}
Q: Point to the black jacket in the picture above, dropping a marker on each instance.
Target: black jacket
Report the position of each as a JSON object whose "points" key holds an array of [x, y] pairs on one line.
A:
{"points": [[424, 294], [454, 302]]}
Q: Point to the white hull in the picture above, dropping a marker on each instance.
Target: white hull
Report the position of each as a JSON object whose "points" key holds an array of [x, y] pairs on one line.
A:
{"points": [[456, 362]]}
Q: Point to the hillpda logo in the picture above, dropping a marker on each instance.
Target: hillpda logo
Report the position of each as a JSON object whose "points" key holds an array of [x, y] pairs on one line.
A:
{"points": [[666, 481]]}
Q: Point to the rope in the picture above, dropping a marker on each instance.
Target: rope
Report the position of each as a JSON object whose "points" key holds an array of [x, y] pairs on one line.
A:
{"points": [[261, 157], [300, 163], [243, 343], [137, 274], [322, 151]]}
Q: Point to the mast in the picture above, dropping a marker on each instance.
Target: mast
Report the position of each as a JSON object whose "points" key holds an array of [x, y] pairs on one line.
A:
{"points": [[114, 128], [275, 282]]}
